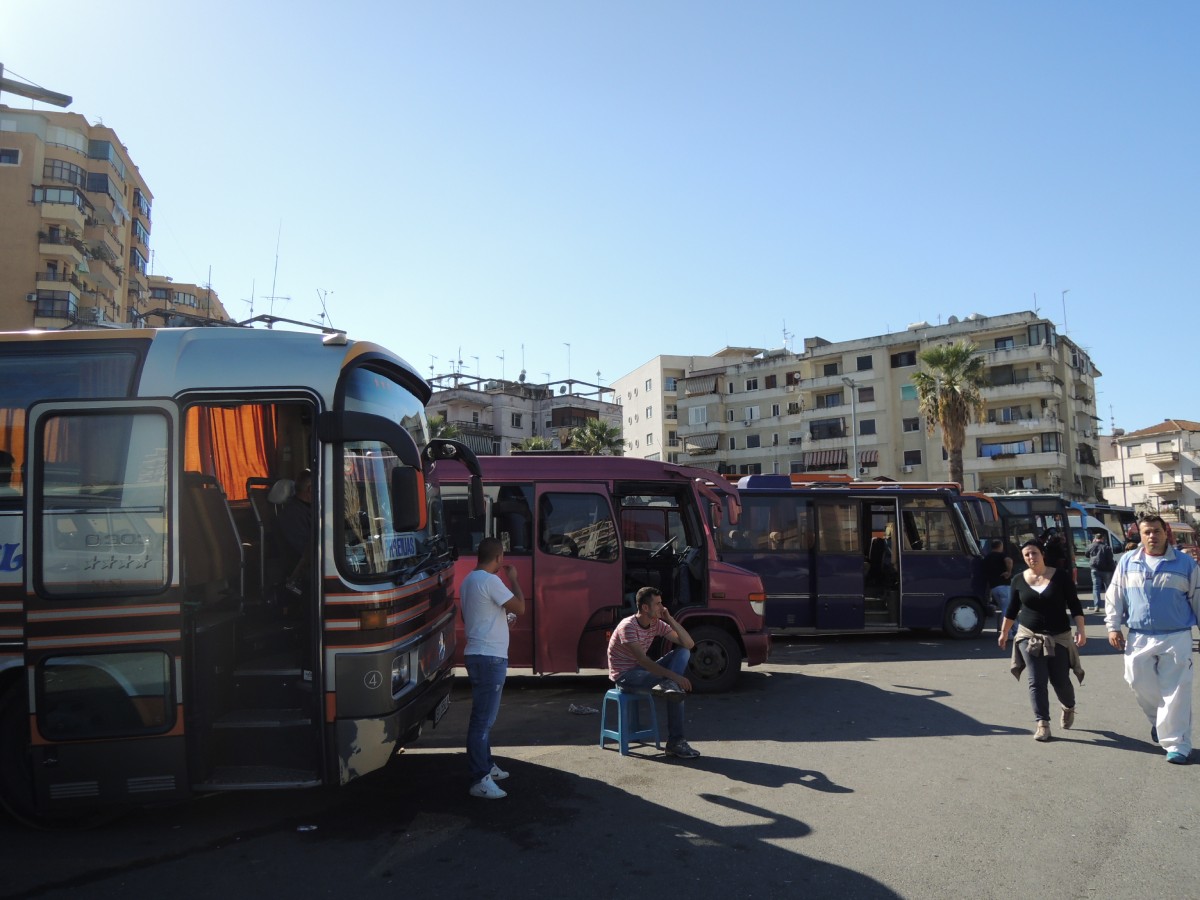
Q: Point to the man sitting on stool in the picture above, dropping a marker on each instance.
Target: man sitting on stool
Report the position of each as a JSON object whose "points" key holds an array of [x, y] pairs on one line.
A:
{"points": [[632, 669]]}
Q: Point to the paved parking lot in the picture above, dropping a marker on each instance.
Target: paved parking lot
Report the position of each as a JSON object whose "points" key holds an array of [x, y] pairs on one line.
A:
{"points": [[889, 766]]}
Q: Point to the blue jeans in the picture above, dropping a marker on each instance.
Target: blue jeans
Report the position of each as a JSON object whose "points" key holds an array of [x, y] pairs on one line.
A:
{"points": [[1100, 582], [486, 674], [638, 679]]}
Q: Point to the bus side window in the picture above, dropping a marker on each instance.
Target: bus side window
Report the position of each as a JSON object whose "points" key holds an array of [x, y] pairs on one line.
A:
{"points": [[577, 525]]}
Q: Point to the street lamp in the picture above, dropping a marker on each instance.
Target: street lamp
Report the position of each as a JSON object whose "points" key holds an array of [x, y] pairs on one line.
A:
{"points": [[853, 385]]}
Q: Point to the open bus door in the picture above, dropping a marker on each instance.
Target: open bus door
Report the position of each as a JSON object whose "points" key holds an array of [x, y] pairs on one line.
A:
{"points": [[104, 608], [841, 575], [577, 573]]}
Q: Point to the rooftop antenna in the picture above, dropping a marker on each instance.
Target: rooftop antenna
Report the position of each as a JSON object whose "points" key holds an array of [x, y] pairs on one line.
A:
{"points": [[251, 300], [273, 298], [432, 360], [787, 336], [476, 358], [501, 358], [323, 315], [1036, 310], [568, 346], [1064, 302]]}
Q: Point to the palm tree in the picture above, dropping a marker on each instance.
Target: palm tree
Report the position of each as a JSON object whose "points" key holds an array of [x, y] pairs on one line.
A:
{"points": [[597, 438], [949, 393], [536, 442], [440, 428]]}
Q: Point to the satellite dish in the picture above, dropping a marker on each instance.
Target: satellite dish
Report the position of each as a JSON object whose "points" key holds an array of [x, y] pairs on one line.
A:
{"points": [[521, 377], [563, 389], [953, 320]]}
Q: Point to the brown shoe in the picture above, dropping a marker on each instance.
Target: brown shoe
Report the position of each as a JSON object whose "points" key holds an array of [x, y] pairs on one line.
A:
{"points": [[1043, 731], [1068, 717]]}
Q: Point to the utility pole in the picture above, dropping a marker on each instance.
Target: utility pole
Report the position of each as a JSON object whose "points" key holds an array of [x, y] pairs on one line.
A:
{"points": [[32, 91]]}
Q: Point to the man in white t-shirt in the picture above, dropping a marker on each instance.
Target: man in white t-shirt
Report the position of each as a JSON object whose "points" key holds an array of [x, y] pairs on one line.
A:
{"points": [[486, 605]]}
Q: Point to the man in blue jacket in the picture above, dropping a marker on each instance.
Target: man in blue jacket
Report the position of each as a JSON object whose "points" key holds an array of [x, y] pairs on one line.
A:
{"points": [[1156, 593]]}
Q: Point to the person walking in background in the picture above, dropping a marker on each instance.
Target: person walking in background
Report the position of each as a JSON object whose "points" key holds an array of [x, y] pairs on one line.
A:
{"points": [[997, 570], [1155, 591], [1101, 562], [1040, 601], [486, 604]]}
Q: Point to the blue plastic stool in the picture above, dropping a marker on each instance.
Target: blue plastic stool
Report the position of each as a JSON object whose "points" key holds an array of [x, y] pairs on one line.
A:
{"points": [[629, 728]]}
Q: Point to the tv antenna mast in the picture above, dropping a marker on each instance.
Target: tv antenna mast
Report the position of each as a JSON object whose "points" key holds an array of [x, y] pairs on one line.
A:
{"points": [[323, 315]]}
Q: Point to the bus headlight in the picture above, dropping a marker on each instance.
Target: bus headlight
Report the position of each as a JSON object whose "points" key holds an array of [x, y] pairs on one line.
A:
{"points": [[399, 674]]}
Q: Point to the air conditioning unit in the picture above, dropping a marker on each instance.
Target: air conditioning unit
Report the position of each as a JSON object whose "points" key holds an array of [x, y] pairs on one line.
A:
{"points": [[907, 470], [791, 389], [862, 470], [31, 297]]}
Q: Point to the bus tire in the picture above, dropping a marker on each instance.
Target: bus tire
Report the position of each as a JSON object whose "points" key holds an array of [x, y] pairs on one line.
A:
{"points": [[716, 660], [964, 618], [16, 769]]}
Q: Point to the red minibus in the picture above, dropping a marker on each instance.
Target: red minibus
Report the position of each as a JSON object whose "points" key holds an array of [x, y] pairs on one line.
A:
{"points": [[585, 533]]}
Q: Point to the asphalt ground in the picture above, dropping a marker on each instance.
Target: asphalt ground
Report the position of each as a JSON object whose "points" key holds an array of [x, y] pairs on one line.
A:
{"points": [[870, 766]]}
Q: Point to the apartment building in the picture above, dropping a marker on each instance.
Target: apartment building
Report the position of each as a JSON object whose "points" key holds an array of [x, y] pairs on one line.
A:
{"points": [[491, 415], [1155, 468], [851, 407], [75, 218], [649, 397], [170, 300]]}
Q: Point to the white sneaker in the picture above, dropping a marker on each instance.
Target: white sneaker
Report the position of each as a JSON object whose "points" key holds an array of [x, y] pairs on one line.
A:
{"points": [[497, 773], [487, 789]]}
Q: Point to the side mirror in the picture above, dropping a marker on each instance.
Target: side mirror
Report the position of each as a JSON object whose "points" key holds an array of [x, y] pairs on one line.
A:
{"points": [[408, 499]]}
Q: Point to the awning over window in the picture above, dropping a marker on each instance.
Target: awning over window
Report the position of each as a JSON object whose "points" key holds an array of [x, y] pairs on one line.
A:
{"points": [[825, 459], [700, 443], [868, 457], [701, 384], [479, 443]]}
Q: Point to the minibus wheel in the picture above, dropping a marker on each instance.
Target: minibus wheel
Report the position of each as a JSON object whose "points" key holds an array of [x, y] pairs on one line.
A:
{"points": [[716, 660], [964, 618]]}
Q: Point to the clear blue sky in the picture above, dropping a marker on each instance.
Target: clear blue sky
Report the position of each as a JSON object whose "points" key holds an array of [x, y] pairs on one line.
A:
{"points": [[635, 178]]}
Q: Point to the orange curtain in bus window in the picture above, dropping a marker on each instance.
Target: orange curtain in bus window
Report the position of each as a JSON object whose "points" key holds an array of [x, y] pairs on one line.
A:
{"points": [[12, 451], [231, 443]]}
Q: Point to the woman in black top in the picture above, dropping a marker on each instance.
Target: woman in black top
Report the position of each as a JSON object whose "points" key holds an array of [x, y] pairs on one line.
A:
{"points": [[1041, 598]]}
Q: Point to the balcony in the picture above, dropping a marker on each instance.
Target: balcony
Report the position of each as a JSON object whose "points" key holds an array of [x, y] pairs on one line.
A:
{"points": [[63, 245], [1006, 462], [1017, 429], [1164, 458], [63, 213], [1014, 355], [57, 280], [1170, 488], [1022, 390]]}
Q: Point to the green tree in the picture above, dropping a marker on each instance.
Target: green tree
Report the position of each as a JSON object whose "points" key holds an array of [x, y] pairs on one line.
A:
{"points": [[536, 442], [948, 389], [597, 438], [440, 428]]}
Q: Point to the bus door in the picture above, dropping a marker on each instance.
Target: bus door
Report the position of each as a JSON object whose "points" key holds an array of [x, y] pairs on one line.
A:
{"points": [[510, 520], [841, 572], [577, 579], [882, 582], [104, 610]]}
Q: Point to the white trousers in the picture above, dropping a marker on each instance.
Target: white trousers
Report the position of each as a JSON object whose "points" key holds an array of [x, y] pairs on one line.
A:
{"points": [[1159, 669]]}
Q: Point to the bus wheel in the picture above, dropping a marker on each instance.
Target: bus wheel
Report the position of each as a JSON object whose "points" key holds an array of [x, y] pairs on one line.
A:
{"points": [[964, 618], [716, 660], [16, 773]]}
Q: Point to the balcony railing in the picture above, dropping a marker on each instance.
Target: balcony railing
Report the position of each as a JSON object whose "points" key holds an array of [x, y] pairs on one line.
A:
{"points": [[1163, 458]]}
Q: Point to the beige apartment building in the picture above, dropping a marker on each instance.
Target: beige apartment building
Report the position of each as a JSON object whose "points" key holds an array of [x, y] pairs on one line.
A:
{"points": [[75, 218], [491, 415], [649, 398], [851, 407], [1155, 468]]}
